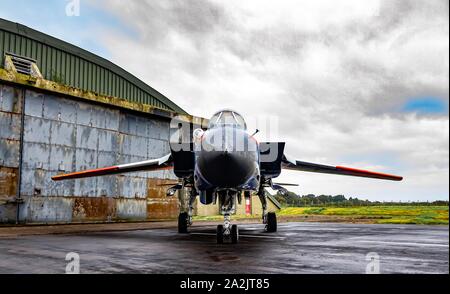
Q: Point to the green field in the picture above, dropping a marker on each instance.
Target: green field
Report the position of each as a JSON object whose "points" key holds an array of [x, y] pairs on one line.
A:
{"points": [[425, 215]]}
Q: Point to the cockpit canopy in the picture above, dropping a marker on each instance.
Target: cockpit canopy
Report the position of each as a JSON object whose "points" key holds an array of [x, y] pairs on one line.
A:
{"points": [[227, 118]]}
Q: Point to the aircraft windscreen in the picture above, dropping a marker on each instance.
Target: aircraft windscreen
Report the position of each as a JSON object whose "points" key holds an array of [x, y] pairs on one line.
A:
{"points": [[227, 118]]}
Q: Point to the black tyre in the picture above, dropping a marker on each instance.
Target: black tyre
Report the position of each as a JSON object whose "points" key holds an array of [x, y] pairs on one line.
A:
{"points": [[183, 223], [234, 234], [271, 222], [219, 234]]}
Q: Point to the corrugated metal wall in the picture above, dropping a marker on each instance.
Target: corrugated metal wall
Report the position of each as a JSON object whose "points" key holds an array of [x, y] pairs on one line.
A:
{"points": [[69, 65], [64, 135]]}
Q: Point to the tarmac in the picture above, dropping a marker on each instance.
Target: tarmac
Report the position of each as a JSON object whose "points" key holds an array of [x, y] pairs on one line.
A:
{"points": [[297, 248]]}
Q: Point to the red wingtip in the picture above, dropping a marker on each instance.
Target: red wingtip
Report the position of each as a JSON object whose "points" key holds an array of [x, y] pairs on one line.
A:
{"points": [[370, 173], [85, 174]]}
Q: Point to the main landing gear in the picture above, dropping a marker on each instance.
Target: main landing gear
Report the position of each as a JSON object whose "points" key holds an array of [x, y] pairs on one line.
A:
{"points": [[185, 218], [183, 223], [271, 223], [227, 202], [269, 218]]}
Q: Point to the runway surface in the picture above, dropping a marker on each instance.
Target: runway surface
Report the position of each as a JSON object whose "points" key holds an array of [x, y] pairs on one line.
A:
{"points": [[298, 248]]}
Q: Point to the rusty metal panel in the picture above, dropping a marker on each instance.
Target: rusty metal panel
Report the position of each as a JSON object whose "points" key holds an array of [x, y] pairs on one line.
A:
{"points": [[94, 209], [8, 183], [159, 206]]}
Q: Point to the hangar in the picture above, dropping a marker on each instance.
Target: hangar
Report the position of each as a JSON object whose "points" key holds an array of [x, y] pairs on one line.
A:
{"points": [[63, 109]]}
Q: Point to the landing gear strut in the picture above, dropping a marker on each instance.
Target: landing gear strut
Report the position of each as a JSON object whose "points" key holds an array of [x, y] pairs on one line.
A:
{"points": [[269, 218], [185, 218], [227, 231]]}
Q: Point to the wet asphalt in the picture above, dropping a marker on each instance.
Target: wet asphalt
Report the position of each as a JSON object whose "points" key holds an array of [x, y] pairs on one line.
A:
{"points": [[297, 248]]}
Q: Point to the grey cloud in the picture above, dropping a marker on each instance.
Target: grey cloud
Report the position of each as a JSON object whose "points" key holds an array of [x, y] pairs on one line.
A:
{"points": [[337, 89]]}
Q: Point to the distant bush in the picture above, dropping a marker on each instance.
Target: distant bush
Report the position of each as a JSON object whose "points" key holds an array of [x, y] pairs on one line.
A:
{"points": [[293, 200]]}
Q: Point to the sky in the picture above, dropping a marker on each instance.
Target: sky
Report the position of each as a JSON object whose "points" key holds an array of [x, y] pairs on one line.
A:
{"points": [[357, 83]]}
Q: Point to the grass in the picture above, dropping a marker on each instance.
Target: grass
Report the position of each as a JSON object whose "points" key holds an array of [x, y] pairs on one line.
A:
{"points": [[424, 215], [427, 215]]}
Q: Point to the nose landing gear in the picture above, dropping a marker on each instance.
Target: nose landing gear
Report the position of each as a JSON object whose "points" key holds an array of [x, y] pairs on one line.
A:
{"points": [[227, 232]]}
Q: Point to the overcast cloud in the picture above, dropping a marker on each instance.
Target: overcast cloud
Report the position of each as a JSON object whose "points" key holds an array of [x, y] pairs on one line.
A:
{"points": [[357, 83], [337, 74]]}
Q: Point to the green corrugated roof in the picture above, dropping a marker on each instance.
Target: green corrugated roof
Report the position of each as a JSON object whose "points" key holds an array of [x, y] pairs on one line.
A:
{"points": [[78, 67]]}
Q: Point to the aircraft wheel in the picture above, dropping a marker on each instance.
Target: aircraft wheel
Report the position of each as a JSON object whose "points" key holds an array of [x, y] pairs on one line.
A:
{"points": [[271, 222], [183, 223], [220, 234], [234, 234]]}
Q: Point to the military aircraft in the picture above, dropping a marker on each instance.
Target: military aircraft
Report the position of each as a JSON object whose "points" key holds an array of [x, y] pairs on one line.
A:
{"points": [[224, 164]]}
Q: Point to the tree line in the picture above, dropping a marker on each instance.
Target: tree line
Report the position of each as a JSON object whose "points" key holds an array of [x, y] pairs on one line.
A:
{"points": [[293, 200]]}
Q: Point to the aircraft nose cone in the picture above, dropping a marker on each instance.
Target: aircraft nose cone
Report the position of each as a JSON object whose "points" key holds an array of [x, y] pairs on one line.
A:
{"points": [[225, 169]]}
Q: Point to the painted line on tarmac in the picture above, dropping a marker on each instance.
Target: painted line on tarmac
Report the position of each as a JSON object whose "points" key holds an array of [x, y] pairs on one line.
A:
{"points": [[405, 243], [243, 236]]}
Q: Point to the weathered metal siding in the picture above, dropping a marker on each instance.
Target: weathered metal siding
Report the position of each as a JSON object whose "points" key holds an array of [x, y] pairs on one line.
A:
{"points": [[63, 135], [10, 118], [70, 65]]}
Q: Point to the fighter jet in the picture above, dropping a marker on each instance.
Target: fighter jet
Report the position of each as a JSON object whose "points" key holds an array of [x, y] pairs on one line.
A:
{"points": [[223, 164]]}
